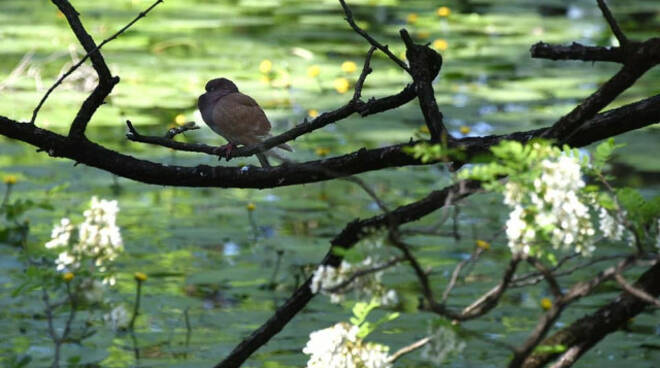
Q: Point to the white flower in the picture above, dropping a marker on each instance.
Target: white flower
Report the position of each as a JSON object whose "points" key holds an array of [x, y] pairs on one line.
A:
{"points": [[339, 347], [326, 278], [555, 206], [99, 238], [443, 342], [61, 234], [118, 317], [610, 227], [92, 290], [65, 260]]}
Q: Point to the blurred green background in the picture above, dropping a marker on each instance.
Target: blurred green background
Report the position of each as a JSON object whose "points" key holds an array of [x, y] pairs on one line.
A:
{"points": [[297, 59]]}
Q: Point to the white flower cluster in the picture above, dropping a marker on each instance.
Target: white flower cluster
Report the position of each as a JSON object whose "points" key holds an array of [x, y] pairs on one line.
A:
{"points": [[326, 278], [340, 347], [118, 317], [552, 208], [611, 227], [98, 239], [443, 343]]}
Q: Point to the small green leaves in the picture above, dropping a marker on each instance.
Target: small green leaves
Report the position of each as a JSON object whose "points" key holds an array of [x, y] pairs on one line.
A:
{"points": [[434, 152], [603, 152], [361, 311]]}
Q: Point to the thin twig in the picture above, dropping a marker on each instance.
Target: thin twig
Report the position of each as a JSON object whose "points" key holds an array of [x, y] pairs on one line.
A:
{"points": [[363, 272], [614, 26], [547, 274], [84, 58], [639, 293], [408, 349], [384, 48]]}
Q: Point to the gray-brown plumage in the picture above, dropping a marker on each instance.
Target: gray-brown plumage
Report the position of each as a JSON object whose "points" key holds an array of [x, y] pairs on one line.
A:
{"points": [[235, 116]]}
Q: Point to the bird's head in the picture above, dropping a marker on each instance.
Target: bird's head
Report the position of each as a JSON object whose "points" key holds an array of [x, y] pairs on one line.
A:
{"points": [[221, 84]]}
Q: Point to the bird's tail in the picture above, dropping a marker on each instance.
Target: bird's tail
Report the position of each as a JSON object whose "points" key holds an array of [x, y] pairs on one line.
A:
{"points": [[262, 159], [285, 147]]}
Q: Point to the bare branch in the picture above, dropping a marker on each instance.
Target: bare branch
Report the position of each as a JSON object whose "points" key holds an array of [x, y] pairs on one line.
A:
{"points": [[587, 331], [576, 292], [352, 233], [639, 293], [371, 40], [106, 81], [576, 51], [614, 26], [408, 349]]}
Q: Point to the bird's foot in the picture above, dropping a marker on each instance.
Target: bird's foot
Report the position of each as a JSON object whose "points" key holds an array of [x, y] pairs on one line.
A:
{"points": [[225, 151]]}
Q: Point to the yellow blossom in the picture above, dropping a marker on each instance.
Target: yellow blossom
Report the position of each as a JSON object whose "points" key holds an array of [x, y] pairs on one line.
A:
{"points": [[313, 71], [341, 85], [440, 44], [312, 113], [10, 179], [265, 66], [251, 206], [546, 303], [322, 151], [412, 18], [348, 67], [443, 11], [139, 276], [464, 129], [180, 119], [265, 79], [424, 129], [68, 276], [483, 244]]}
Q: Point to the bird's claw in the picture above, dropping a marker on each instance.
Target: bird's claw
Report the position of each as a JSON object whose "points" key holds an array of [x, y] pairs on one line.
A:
{"points": [[224, 151]]}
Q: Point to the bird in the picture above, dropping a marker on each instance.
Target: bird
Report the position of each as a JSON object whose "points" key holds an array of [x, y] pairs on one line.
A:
{"points": [[235, 116]]}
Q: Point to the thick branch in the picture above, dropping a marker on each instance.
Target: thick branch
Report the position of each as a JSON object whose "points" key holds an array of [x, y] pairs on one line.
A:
{"points": [[586, 110], [576, 51], [373, 106], [425, 64], [352, 233], [106, 80], [586, 332], [611, 123], [579, 290]]}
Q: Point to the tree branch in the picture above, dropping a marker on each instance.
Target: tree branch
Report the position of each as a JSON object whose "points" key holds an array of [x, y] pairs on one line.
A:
{"points": [[586, 332], [350, 235]]}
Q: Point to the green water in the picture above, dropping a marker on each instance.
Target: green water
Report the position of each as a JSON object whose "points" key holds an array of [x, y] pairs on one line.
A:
{"points": [[198, 245]]}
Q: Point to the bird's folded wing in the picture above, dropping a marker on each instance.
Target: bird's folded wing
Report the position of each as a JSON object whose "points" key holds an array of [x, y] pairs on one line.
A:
{"points": [[243, 120]]}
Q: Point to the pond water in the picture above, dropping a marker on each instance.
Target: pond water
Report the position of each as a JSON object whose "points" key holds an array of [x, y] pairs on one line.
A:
{"points": [[208, 258]]}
